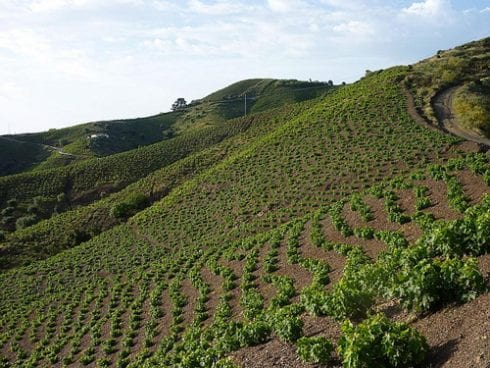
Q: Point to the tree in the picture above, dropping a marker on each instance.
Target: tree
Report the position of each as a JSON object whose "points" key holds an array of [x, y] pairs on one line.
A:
{"points": [[179, 104]]}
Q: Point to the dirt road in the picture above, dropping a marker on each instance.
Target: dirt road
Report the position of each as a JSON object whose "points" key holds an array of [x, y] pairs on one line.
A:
{"points": [[51, 148], [442, 106]]}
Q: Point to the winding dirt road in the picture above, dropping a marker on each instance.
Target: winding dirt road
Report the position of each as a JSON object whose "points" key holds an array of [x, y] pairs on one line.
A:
{"points": [[442, 106]]}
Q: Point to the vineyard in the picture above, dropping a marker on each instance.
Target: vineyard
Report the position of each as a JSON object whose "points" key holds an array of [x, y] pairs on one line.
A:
{"points": [[332, 232], [132, 302]]}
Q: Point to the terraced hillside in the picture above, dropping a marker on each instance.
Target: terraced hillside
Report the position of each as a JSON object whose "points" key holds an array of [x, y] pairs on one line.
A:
{"points": [[131, 301], [334, 232], [48, 190], [362, 133]]}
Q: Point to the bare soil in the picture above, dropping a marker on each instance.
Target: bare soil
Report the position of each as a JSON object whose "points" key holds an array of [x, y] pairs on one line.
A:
{"points": [[460, 335]]}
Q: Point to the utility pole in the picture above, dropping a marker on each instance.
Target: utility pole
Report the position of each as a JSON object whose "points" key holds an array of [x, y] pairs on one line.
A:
{"points": [[245, 104]]}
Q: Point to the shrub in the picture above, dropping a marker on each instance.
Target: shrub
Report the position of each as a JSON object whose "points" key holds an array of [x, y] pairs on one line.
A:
{"points": [[120, 210], [287, 324], [25, 221], [314, 349], [254, 333], [12, 202], [133, 203], [430, 283], [7, 211], [378, 342]]}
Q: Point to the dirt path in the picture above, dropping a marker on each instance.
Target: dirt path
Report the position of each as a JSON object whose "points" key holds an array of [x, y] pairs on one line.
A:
{"points": [[51, 148], [442, 105]]}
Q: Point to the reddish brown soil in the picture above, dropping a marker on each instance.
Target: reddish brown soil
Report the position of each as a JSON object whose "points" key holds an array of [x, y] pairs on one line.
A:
{"points": [[216, 290], [322, 326], [166, 320], [380, 221], [300, 276], [268, 291], [466, 147], [411, 231], [459, 336], [334, 259], [484, 265], [406, 200], [272, 354], [237, 268], [473, 185], [191, 295], [438, 197], [275, 353]]}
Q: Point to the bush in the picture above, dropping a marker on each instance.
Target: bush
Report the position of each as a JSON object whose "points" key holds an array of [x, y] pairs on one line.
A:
{"points": [[133, 203], [378, 342], [287, 324], [25, 221], [314, 349], [254, 333], [7, 211], [431, 283], [121, 210], [12, 202]]}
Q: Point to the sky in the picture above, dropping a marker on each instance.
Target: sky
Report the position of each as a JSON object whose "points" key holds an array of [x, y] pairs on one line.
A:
{"points": [[65, 62]]}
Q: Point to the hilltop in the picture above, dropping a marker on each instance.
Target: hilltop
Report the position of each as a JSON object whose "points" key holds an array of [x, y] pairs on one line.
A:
{"points": [[343, 226], [41, 151]]}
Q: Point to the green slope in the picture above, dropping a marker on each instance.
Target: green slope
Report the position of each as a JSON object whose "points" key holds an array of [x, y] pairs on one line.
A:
{"points": [[135, 295], [81, 179], [279, 170], [468, 64], [19, 156], [74, 226], [263, 94], [123, 135], [352, 138]]}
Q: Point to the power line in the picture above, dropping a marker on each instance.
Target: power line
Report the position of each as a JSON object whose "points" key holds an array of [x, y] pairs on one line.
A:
{"points": [[261, 95]]}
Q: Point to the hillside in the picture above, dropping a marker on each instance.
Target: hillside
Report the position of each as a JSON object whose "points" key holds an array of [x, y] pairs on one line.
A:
{"points": [[337, 231], [104, 138], [19, 156], [83, 178], [455, 83]]}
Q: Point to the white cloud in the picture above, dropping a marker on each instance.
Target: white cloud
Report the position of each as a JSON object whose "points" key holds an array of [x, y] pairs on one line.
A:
{"points": [[354, 28], [56, 5], [36, 49], [284, 6], [428, 8], [97, 63], [222, 7], [486, 10]]}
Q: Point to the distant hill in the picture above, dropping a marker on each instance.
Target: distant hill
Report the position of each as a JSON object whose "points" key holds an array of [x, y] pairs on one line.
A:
{"points": [[263, 94], [103, 138], [20, 155]]}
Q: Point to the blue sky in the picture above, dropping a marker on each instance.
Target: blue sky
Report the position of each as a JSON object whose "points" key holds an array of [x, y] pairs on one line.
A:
{"points": [[64, 62]]}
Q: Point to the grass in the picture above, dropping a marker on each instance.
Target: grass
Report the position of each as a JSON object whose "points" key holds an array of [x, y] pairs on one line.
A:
{"points": [[472, 106]]}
